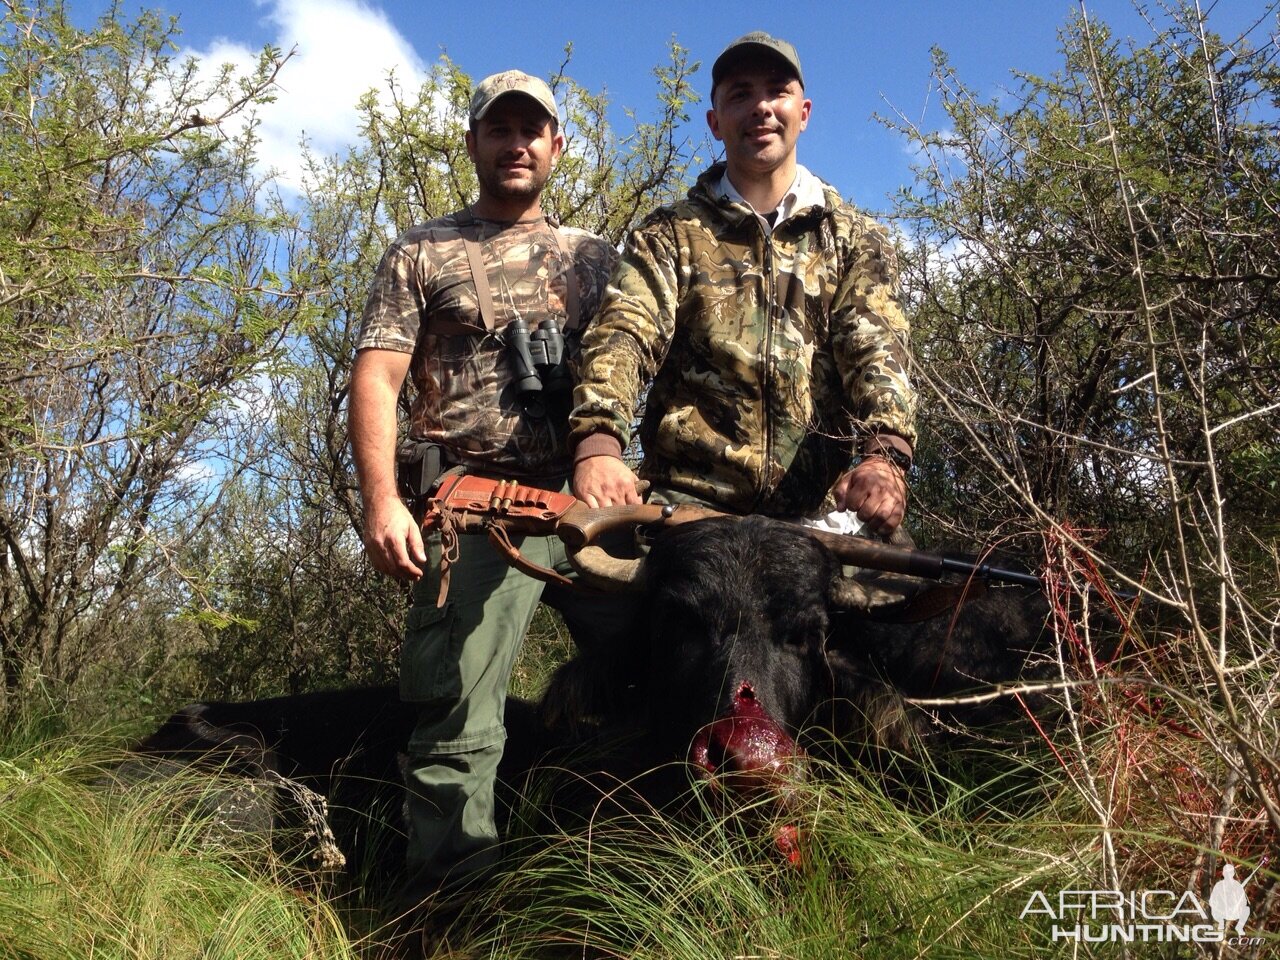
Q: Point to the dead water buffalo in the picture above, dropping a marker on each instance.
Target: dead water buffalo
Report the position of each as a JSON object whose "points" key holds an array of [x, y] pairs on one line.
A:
{"points": [[313, 772], [314, 738], [747, 655], [751, 651]]}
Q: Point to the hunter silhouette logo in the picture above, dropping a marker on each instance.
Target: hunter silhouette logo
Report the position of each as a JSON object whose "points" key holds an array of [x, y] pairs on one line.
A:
{"points": [[1148, 916], [1227, 901]]}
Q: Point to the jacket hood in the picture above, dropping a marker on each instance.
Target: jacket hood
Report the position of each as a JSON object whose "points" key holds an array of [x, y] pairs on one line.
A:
{"points": [[704, 191]]}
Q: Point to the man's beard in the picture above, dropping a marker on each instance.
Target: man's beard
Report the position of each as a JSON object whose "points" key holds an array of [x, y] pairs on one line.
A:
{"points": [[501, 189]]}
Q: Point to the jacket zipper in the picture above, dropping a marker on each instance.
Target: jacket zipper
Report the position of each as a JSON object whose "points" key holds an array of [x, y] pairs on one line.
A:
{"points": [[771, 292]]}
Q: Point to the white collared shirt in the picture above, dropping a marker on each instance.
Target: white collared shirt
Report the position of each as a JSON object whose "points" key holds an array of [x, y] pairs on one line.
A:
{"points": [[805, 191]]}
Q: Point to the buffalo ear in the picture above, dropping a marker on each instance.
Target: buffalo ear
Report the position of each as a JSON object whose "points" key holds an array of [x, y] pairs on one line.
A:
{"points": [[875, 592]]}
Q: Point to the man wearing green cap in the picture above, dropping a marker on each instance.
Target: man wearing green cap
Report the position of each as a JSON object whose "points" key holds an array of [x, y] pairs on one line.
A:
{"points": [[764, 310], [464, 303]]}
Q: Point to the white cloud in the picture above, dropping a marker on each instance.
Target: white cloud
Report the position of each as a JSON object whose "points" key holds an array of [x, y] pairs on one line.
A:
{"points": [[344, 48], [944, 152]]}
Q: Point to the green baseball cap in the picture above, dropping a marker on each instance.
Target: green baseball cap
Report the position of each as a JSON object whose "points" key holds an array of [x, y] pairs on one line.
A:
{"points": [[755, 43], [495, 87]]}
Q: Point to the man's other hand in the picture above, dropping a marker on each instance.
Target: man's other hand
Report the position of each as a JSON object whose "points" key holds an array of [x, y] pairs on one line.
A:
{"points": [[604, 481], [393, 541], [877, 491]]}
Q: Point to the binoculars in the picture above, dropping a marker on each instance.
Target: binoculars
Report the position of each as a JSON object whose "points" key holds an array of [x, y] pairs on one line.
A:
{"points": [[538, 364]]}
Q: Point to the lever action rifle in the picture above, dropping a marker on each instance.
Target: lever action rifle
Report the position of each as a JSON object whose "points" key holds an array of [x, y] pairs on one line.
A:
{"points": [[463, 503]]}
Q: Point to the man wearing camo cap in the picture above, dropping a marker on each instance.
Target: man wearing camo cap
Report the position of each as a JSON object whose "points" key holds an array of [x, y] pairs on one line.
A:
{"points": [[454, 304], [764, 310]]}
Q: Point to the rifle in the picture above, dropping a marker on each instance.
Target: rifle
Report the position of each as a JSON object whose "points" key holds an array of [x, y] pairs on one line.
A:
{"points": [[502, 508]]}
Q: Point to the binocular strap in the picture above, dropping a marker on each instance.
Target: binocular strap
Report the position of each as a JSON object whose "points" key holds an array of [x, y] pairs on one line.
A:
{"points": [[484, 293]]}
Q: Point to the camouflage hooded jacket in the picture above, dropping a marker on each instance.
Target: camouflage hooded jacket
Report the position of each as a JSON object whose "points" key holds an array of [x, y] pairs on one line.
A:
{"points": [[770, 355]]}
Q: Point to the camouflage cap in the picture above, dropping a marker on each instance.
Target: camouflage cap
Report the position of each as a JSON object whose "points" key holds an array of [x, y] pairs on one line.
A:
{"points": [[755, 42], [495, 87]]}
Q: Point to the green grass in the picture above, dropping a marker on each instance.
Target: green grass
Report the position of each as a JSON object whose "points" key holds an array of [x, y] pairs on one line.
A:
{"points": [[919, 861], [87, 871], [940, 870], [877, 879], [92, 871]]}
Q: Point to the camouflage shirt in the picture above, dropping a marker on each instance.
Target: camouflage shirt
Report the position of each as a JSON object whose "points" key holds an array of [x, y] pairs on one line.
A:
{"points": [[423, 301], [770, 355]]}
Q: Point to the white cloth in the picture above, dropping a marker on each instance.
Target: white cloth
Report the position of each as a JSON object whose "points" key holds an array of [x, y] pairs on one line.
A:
{"points": [[837, 521]]}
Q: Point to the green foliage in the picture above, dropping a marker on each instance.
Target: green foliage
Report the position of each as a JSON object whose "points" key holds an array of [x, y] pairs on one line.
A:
{"points": [[1093, 271], [287, 607], [1092, 262], [413, 164], [133, 242], [606, 181]]}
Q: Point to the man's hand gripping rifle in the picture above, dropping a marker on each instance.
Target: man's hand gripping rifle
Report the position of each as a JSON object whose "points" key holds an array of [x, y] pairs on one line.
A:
{"points": [[504, 508]]}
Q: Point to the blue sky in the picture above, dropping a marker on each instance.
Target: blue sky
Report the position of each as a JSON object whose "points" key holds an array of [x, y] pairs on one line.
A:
{"points": [[859, 58]]}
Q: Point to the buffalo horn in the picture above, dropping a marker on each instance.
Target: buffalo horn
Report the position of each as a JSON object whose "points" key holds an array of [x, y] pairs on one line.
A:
{"points": [[606, 572]]}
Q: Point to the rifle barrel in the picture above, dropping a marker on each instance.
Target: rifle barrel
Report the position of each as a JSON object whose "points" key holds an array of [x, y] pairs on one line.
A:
{"points": [[986, 571], [582, 525]]}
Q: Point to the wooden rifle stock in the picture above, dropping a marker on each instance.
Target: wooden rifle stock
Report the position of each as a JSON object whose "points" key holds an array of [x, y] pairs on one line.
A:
{"points": [[476, 503], [581, 525]]}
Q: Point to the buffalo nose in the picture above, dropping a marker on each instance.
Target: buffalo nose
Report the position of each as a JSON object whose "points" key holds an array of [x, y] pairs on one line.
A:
{"points": [[746, 750]]}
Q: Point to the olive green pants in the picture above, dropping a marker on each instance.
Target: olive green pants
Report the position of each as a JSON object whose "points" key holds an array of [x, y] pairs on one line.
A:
{"points": [[456, 662]]}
